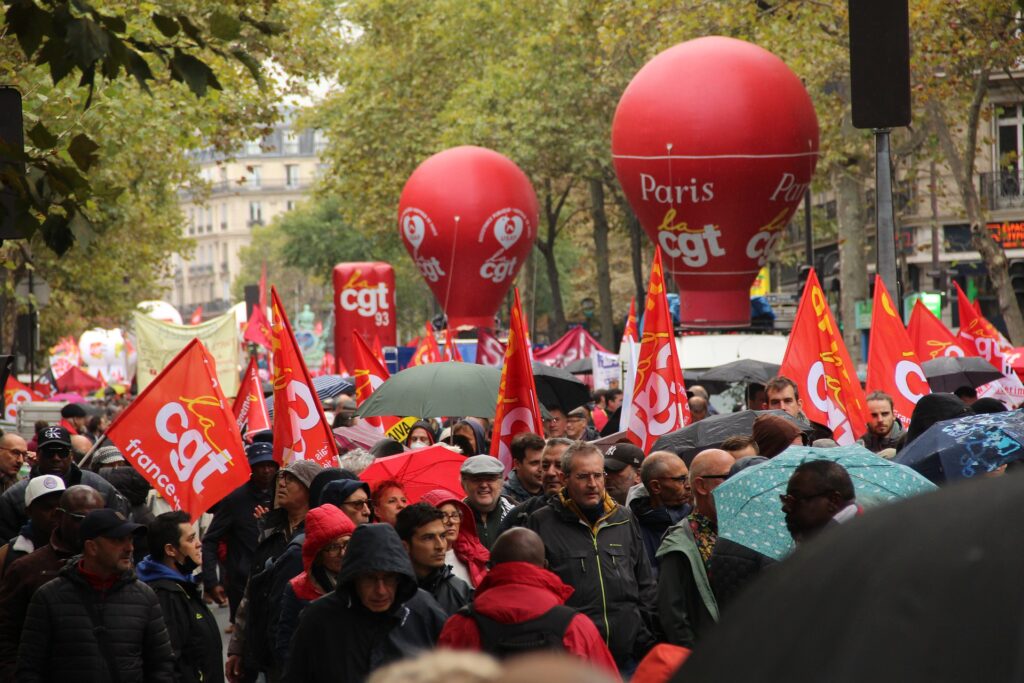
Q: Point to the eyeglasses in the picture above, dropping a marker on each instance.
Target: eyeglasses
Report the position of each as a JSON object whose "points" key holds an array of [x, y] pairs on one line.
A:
{"points": [[334, 549], [55, 453], [77, 516], [447, 517], [713, 476], [356, 504], [15, 452], [791, 499], [681, 479], [588, 476]]}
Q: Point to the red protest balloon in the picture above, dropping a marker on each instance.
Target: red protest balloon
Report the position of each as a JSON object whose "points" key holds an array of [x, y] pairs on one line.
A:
{"points": [[364, 301], [714, 142], [468, 217]]}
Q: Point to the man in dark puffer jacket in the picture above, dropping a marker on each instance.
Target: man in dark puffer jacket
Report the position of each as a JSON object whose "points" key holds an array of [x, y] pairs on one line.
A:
{"points": [[96, 621]]}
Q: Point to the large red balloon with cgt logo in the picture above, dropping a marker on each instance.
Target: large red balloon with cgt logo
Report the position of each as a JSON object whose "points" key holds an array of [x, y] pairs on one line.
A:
{"points": [[714, 142], [364, 301], [468, 217]]}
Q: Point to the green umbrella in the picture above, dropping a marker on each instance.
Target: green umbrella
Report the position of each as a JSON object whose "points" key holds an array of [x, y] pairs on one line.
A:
{"points": [[448, 389], [748, 507]]}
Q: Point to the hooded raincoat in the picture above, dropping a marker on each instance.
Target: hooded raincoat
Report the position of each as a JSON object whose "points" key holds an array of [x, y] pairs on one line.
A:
{"points": [[339, 639]]}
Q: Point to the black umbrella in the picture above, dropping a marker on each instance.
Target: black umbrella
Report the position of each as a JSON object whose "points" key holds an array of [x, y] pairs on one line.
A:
{"points": [[949, 373], [712, 431], [557, 388], [583, 366], [888, 596], [742, 370]]}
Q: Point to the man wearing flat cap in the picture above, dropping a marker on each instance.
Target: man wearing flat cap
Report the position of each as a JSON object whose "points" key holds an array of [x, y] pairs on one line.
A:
{"points": [[73, 418], [68, 636], [481, 480], [622, 463]]}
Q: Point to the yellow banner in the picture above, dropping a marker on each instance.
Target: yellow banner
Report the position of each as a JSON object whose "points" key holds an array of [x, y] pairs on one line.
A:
{"points": [[159, 342], [400, 432], [762, 285]]}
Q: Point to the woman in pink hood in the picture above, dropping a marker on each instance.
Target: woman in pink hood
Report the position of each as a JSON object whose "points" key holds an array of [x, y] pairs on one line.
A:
{"points": [[328, 530], [466, 554]]}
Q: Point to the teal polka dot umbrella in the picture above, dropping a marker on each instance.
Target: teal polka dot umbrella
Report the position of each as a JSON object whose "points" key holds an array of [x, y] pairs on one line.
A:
{"points": [[748, 507]]}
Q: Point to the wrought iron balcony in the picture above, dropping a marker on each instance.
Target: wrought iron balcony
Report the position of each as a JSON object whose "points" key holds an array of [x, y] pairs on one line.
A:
{"points": [[1002, 190]]}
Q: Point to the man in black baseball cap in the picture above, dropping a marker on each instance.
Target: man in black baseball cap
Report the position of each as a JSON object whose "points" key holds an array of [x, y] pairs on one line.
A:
{"points": [[53, 456], [622, 467], [67, 638]]}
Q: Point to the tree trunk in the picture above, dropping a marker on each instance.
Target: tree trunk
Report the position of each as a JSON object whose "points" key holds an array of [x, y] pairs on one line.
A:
{"points": [[962, 167], [853, 271], [606, 316], [552, 212]]}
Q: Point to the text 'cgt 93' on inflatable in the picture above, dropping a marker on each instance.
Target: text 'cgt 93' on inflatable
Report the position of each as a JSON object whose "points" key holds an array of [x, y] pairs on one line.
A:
{"points": [[714, 142], [468, 217]]}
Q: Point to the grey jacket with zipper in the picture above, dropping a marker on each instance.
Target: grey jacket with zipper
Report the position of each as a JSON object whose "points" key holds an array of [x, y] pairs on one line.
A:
{"points": [[608, 569]]}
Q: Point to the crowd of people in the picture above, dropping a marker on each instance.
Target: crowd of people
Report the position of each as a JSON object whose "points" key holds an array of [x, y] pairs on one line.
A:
{"points": [[602, 551]]}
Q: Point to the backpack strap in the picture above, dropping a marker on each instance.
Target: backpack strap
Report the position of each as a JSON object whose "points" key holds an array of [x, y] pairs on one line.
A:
{"points": [[543, 632]]}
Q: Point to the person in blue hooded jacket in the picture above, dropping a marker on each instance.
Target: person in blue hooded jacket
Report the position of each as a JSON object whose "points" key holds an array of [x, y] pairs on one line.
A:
{"points": [[175, 552], [376, 614]]}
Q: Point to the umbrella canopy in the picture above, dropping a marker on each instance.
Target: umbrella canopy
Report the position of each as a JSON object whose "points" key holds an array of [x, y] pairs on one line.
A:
{"points": [[748, 507], [966, 447], [325, 386], [419, 471], [68, 396], [583, 366], [449, 389], [361, 435], [557, 388], [713, 430], [949, 373], [742, 370], [886, 597]]}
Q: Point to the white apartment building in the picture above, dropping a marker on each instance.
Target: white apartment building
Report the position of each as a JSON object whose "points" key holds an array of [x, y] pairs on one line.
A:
{"points": [[267, 177]]}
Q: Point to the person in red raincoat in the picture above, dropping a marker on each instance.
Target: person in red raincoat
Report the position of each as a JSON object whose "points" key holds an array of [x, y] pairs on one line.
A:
{"points": [[519, 588]]}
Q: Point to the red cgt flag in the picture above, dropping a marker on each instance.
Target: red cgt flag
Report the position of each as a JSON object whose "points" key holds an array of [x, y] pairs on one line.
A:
{"points": [[182, 437], [301, 431], [370, 373], [451, 350], [16, 393], [489, 349], [632, 332], [518, 408], [428, 350], [931, 339], [659, 394], [893, 365], [977, 334], [258, 329], [249, 408], [817, 360]]}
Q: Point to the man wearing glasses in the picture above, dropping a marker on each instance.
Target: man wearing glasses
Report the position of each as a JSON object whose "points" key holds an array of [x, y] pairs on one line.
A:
{"points": [[686, 606], [13, 451], [663, 500], [594, 545], [819, 494], [53, 457]]}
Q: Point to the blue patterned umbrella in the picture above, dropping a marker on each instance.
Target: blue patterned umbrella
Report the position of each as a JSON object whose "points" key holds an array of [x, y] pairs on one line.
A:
{"points": [[326, 386], [748, 507], [965, 447]]}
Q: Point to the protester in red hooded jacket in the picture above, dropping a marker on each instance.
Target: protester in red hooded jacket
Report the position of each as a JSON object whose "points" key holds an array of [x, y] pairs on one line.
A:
{"points": [[328, 530], [466, 554], [518, 589]]}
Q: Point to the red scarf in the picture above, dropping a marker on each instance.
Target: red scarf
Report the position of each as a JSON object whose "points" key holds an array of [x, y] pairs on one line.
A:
{"points": [[100, 584]]}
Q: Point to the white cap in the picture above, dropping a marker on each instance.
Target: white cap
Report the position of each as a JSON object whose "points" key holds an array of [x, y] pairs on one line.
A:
{"points": [[43, 485]]}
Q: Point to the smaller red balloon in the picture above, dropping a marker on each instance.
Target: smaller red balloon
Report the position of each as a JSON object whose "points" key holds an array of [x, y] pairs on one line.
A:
{"points": [[468, 218]]}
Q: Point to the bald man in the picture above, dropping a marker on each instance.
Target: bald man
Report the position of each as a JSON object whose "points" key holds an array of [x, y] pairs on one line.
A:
{"points": [[698, 408], [521, 602], [686, 605], [666, 482]]}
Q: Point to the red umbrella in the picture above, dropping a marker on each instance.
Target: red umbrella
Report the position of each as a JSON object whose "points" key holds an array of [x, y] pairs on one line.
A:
{"points": [[419, 471]]}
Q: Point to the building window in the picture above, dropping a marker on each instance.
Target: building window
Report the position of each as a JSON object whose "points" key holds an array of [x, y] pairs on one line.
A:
{"points": [[289, 205], [291, 142], [253, 176], [1010, 138], [209, 219], [223, 216], [252, 148], [319, 141], [255, 213], [291, 175]]}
